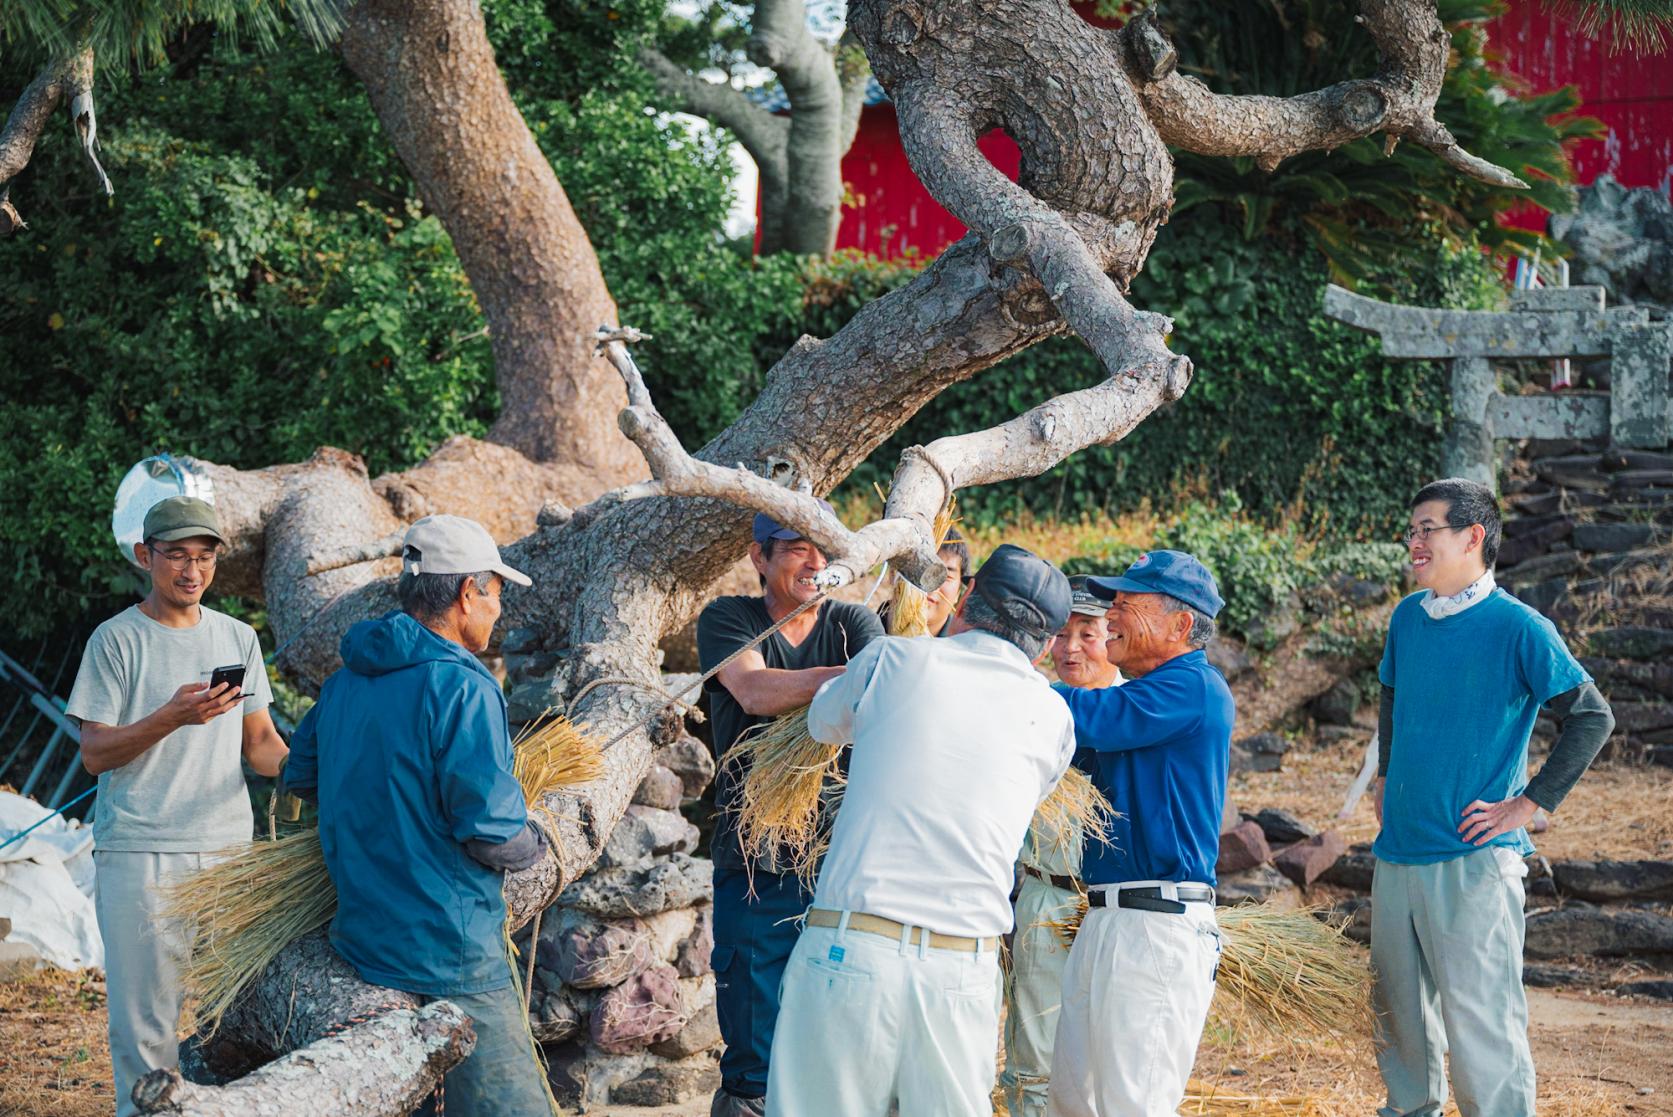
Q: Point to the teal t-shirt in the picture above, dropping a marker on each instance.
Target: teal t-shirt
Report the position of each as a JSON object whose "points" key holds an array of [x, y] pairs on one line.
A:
{"points": [[1467, 689]]}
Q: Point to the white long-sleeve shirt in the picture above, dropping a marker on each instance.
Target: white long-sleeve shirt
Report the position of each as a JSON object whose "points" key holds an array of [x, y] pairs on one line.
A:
{"points": [[955, 742]]}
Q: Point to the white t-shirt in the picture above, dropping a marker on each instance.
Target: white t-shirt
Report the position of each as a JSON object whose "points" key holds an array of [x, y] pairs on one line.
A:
{"points": [[184, 794], [956, 741]]}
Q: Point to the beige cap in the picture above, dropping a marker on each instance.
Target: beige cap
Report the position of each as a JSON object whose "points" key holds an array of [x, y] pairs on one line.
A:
{"points": [[454, 545]]}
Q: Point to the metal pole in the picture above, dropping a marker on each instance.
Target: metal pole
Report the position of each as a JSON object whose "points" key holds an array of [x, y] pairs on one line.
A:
{"points": [[40, 765]]}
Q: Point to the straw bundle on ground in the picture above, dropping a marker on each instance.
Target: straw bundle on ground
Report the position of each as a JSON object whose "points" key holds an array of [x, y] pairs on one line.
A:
{"points": [[778, 806], [909, 607], [1205, 1100], [1073, 809], [1287, 973], [248, 907]]}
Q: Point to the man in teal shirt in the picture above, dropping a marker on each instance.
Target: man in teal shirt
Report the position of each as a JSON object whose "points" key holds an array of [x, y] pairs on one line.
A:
{"points": [[1465, 672]]}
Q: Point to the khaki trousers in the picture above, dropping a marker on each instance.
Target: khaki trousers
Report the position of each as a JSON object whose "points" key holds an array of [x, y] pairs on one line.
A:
{"points": [[144, 957], [1034, 994]]}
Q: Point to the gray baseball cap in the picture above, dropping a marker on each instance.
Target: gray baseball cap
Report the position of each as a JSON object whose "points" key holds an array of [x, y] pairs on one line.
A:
{"points": [[454, 545], [181, 517], [1081, 598], [1025, 589]]}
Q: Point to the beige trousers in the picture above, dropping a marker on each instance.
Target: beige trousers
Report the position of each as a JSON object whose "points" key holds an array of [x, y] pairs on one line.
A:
{"points": [[144, 956], [1034, 993]]}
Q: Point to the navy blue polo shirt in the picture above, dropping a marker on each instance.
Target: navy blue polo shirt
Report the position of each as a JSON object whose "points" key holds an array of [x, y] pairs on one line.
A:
{"points": [[1159, 747]]}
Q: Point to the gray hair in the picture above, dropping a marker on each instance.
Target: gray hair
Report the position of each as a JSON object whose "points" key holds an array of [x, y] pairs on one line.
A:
{"points": [[424, 597], [1202, 625], [979, 614]]}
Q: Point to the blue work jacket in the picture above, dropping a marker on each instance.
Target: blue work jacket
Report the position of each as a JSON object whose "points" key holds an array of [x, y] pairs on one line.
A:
{"points": [[409, 753]]}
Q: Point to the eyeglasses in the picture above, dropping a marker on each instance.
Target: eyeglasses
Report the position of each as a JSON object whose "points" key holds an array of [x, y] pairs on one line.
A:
{"points": [[179, 561], [1424, 533]]}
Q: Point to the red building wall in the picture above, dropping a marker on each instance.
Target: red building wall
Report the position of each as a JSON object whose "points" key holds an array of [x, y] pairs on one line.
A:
{"points": [[892, 212]]}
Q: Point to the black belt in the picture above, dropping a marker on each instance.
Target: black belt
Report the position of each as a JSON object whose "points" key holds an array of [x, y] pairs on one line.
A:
{"points": [[1056, 880], [1151, 899]]}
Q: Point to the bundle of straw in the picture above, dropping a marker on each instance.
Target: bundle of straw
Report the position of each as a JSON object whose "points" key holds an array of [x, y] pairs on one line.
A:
{"points": [[246, 908], [909, 607], [1285, 973], [778, 810], [1074, 807], [1205, 1100]]}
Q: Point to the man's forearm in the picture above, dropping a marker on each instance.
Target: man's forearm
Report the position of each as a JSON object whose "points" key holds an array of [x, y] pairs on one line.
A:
{"points": [[770, 691], [267, 752], [1586, 722], [104, 747]]}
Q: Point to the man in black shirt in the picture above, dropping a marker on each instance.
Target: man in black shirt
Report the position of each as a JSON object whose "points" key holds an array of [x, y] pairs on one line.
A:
{"points": [[754, 934]]}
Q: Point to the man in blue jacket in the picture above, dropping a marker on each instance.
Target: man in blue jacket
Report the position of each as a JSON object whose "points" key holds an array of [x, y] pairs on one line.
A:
{"points": [[1140, 975], [409, 755]]}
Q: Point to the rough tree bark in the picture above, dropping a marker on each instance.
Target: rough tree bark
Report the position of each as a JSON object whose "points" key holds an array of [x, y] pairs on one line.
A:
{"points": [[799, 156], [69, 78], [1089, 110]]}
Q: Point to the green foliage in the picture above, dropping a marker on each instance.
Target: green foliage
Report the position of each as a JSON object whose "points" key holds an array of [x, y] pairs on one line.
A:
{"points": [[1638, 25], [136, 33], [1358, 205]]}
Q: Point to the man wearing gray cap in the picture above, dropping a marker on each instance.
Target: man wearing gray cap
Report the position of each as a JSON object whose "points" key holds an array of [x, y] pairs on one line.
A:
{"points": [[408, 750], [171, 783], [891, 996]]}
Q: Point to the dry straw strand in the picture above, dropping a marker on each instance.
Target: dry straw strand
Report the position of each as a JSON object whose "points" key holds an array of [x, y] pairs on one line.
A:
{"points": [[1284, 973], [246, 908], [909, 607], [779, 819], [1074, 808]]}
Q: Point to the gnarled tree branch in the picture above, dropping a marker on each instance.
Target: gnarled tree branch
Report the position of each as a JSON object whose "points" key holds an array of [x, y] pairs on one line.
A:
{"points": [[67, 78], [763, 135]]}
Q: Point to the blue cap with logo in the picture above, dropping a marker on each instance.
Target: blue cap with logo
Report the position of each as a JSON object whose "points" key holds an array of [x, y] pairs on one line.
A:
{"points": [[765, 527], [1174, 573]]}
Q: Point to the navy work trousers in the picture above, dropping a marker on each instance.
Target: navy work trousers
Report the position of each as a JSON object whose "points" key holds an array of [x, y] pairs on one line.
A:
{"points": [[753, 939]]}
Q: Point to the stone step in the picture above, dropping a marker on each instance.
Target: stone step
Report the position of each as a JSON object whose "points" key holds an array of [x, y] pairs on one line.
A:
{"points": [[1576, 930], [1642, 717], [1641, 479], [1616, 459], [1614, 880], [1631, 642], [1610, 536], [1649, 678]]}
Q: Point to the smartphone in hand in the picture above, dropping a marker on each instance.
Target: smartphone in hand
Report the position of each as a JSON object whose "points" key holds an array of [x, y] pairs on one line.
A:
{"points": [[232, 673]]}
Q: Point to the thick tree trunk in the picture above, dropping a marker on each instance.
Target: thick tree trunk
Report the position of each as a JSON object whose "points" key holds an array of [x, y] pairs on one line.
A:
{"points": [[431, 76], [616, 575], [381, 1068]]}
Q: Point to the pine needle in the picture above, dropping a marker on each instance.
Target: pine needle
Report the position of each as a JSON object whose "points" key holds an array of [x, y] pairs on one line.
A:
{"points": [[247, 908], [778, 807], [1285, 973]]}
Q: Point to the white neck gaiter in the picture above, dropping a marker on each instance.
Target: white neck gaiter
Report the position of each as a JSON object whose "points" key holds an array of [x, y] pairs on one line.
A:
{"points": [[1475, 593]]}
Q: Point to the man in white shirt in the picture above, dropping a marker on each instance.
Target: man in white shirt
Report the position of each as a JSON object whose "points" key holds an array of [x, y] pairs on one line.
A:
{"points": [[891, 996]]}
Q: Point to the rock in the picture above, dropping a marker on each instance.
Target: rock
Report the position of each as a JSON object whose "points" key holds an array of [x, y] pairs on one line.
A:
{"points": [[1558, 564], [1231, 816], [1353, 915], [668, 930], [680, 882], [689, 759], [1554, 977], [639, 1012], [692, 958], [519, 641], [1631, 642], [1661, 990], [1603, 881], [529, 700], [554, 1015], [1304, 861], [1281, 827], [583, 1076], [1611, 537], [1270, 629], [1622, 240], [1533, 536], [1337, 705], [1360, 593], [701, 1033], [1655, 557], [1242, 847], [1251, 886], [1536, 504], [670, 1083], [1331, 736], [1263, 752], [1353, 870], [588, 953], [645, 833], [1640, 479], [1616, 458], [1645, 679], [1642, 717], [660, 788], [1229, 658], [1542, 597], [5, 928], [1572, 931]]}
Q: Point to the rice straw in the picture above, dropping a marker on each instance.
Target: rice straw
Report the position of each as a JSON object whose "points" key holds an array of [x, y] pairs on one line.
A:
{"points": [[248, 907]]}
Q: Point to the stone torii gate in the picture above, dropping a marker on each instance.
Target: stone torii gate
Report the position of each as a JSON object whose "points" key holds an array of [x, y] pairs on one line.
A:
{"points": [[1545, 322]]}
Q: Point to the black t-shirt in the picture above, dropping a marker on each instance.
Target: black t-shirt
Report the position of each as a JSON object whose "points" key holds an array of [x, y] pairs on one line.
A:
{"points": [[729, 623]]}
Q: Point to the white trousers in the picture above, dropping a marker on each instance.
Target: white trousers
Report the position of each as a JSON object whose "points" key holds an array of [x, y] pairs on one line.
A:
{"points": [[866, 1023], [144, 955], [1135, 997], [1034, 994]]}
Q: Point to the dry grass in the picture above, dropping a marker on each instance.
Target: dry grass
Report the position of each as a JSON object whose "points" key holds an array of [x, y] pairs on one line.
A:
{"points": [[1617, 810], [248, 907], [909, 606], [778, 805], [53, 1054], [1074, 807]]}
